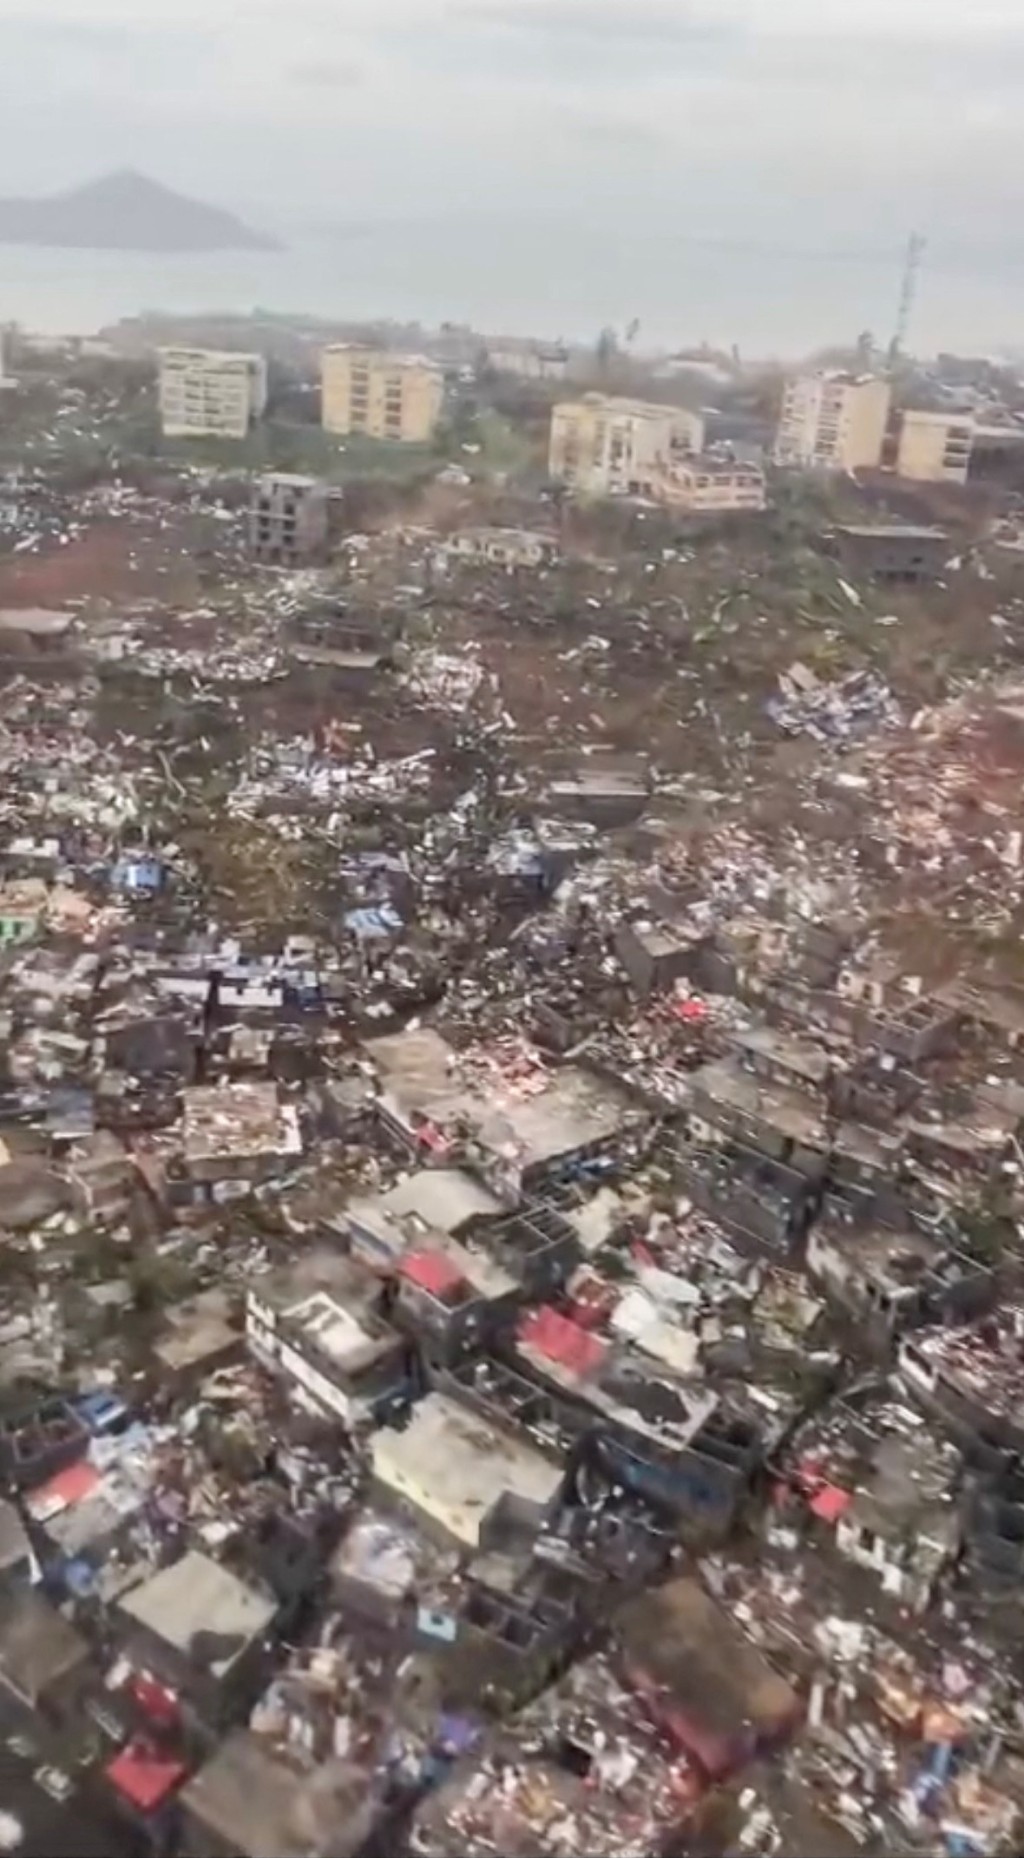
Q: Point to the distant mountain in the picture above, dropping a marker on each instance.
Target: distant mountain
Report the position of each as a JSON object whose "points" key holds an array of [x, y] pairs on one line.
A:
{"points": [[126, 212]]}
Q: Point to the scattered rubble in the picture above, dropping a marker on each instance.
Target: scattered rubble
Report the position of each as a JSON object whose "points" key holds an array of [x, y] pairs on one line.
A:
{"points": [[511, 1185]]}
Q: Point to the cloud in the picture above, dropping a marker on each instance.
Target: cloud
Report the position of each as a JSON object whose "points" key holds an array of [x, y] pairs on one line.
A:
{"points": [[615, 132], [326, 74], [816, 123], [654, 22]]}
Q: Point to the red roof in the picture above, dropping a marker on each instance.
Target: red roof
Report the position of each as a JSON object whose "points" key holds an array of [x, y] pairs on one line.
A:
{"points": [[432, 1271], [830, 1503], [68, 1487], [143, 1777], [561, 1340]]}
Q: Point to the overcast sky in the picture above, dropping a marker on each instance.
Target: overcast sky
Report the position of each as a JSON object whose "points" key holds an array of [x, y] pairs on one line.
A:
{"points": [[767, 118], [743, 169]]}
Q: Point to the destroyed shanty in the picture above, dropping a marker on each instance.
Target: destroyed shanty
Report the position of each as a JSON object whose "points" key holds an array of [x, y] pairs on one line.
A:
{"points": [[511, 1184]]}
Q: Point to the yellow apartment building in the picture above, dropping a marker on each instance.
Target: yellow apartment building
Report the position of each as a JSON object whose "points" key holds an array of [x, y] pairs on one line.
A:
{"points": [[385, 396], [935, 448], [833, 421]]}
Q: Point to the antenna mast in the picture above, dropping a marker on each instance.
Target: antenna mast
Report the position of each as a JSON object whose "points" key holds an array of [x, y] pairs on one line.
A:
{"points": [[908, 291]]}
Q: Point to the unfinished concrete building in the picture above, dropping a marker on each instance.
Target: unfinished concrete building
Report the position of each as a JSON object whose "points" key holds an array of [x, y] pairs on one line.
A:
{"points": [[289, 520]]}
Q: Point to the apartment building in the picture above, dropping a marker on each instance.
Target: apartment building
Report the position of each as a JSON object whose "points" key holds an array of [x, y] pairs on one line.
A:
{"points": [[385, 396], [709, 486], [604, 446], [832, 421], [210, 393], [531, 361], [317, 1326], [935, 448]]}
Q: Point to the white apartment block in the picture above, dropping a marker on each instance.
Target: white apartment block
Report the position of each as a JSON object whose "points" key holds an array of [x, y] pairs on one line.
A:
{"points": [[713, 486], [833, 421], [210, 393]]}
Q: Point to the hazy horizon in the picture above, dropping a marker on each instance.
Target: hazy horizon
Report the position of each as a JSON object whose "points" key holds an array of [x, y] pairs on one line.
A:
{"points": [[664, 159], [525, 277]]}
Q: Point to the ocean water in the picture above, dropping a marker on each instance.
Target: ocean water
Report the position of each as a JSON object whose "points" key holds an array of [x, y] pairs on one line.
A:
{"points": [[535, 276]]}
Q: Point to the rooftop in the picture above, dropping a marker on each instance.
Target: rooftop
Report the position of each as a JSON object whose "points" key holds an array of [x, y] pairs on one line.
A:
{"points": [[14, 1542], [621, 1382], [201, 1609], [38, 1648], [893, 532], [793, 1055], [335, 1332], [442, 1199], [289, 480], [677, 1637], [420, 1074], [467, 1465], [984, 1362], [496, 532], [881, 1454], [197, 1329], [318, 1272], [908, 1489], [581, 1771], [709, 464], [254, 1802], [238, 1121], [229, 358], [897, 1260], [40, 621], [785, 1111], [387, 357]]}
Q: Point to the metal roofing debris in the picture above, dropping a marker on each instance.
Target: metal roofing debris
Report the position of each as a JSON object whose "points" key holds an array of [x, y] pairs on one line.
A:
{"points": [[238, 1120], [145, 1778], [724, 1016], [432, 1271], [829, 1502], [556, 1338], [36, 621]]}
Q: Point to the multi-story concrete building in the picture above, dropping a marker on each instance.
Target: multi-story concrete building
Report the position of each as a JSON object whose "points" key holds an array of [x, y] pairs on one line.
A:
{"points": [[317, 1327], [385, 396], [531, 361], [502, 548], [210, 393], [288, 519], [832, 421], [709, 485], [604, 446], [935, 448]]}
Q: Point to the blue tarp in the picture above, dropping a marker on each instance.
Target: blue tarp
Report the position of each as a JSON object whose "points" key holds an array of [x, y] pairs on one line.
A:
{"points": [[137, 874], [101, 1410], [376, 924]]}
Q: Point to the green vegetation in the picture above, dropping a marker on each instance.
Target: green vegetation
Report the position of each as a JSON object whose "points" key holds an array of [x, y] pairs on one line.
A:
{"points": [[284, 445]]}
